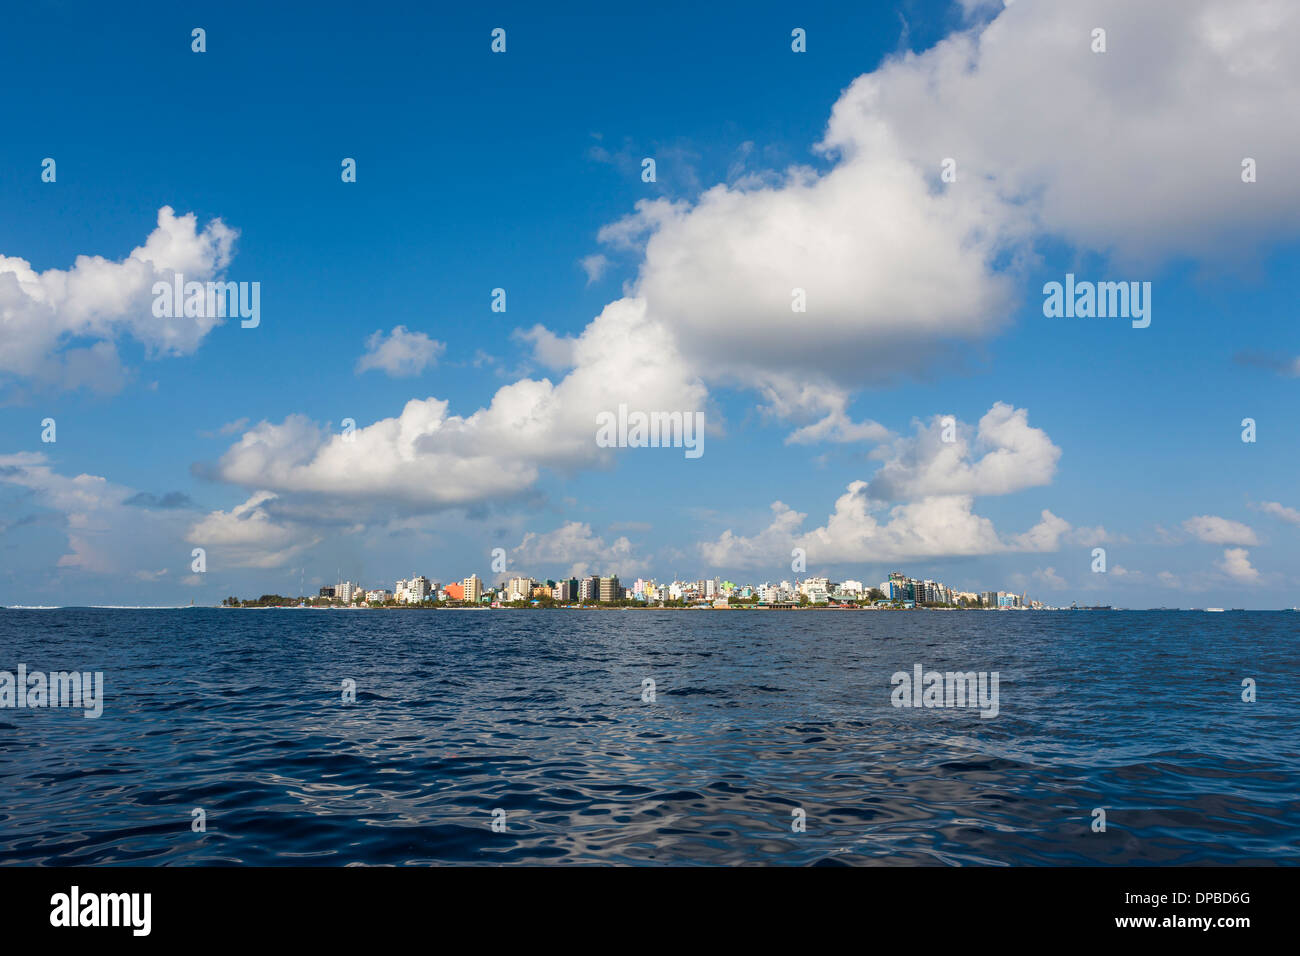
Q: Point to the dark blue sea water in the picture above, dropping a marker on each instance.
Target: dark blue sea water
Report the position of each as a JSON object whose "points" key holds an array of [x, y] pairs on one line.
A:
{"points": [[756, 714]]}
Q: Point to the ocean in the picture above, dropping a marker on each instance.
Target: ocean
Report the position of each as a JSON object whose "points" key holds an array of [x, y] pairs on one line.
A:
{"points": [[533, 737]]}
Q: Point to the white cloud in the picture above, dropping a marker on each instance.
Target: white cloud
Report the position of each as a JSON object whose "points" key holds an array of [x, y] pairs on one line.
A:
{"points": [[576, 549], [595, 266], [1216, 530], [1136, 150], [1236, 565], [400, 353], [1044, 536], [106, 532], [1049, 578], [248, 536], [899, 268], [937, 482], [549, 349], [860, 530], [1279, 510], [793, 400], [59, 328], [891, 273], [428, 458], [1003, 455]]}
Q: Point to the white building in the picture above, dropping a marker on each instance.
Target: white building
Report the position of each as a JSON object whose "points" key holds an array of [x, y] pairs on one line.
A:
{"points": [[809, 585], [380, 596], [413, 591]]}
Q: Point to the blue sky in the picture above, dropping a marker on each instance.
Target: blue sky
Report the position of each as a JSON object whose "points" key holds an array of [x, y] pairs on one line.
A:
{"points": [[479, 170]]}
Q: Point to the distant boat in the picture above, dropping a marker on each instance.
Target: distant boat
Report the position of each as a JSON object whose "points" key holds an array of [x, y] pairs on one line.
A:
{"points": [[1216, 610]]}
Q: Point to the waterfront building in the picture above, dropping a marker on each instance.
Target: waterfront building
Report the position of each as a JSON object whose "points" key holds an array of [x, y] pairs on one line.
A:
{"points": [[610, 590], [519, 589], [472, 589], [418, 588]]}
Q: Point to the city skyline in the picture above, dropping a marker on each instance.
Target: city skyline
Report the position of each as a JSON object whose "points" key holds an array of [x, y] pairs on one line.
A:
{"points": [[513, 588]]}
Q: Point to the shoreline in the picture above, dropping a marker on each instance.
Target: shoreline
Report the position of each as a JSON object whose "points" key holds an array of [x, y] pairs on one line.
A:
{"points": [[597, 607]]}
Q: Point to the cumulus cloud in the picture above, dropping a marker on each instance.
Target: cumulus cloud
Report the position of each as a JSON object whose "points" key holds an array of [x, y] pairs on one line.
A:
{"points": [[428, 458], [1236, 565], [400, 353], [59, 328], [899, 267], [890, 274], [1216, 530], [859, 530], [248, 535], [1049, 578], [1279, 511], [576, 549], [826, 407], [550, 350], [936, 481], [1002, 455], [594, 265], [1137, 150], [107, 530]]}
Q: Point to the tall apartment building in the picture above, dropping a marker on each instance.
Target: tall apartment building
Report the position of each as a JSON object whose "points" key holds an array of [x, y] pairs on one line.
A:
{"points": [[609, 589], [519, 589], [589, 589], [473, 588], [418, 589]]}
